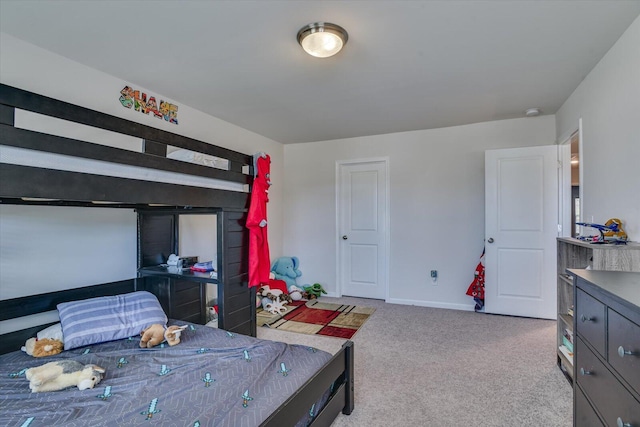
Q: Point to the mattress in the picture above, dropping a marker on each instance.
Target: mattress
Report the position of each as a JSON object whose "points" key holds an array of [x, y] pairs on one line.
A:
{"points": [[212, 377], [41, 159], [199, 159]]}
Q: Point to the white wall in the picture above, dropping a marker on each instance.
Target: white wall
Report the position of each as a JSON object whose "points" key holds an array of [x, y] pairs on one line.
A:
{"points": [[608, 101], [28, 67], [437, 204], [57, 247]]}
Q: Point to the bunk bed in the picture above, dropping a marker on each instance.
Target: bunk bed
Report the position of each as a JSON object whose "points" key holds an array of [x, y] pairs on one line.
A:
{"points": [[46, 169]]}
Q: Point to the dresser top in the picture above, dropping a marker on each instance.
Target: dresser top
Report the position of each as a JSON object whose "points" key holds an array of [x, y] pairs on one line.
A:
{"points": [[624, 285], [607, 246]]}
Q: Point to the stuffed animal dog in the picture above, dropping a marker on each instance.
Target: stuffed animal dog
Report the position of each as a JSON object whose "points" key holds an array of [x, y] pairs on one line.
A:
{"points": [[172, 334], [152, 336], [156, 334], [62, 374]]}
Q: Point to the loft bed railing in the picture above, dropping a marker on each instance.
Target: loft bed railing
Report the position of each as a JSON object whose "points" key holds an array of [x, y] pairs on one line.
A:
{"points": [[28, 184]]}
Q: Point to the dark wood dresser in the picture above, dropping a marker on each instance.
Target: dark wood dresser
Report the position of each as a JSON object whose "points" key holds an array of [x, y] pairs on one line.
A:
{"points": [[606, 349]]}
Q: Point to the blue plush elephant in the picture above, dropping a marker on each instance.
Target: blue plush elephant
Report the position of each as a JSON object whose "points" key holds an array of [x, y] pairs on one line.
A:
{"points": [[286, 268]]}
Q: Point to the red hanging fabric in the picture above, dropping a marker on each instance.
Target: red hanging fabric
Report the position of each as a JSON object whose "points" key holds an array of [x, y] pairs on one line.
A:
{"points": [[259, 262], [476, 288]]}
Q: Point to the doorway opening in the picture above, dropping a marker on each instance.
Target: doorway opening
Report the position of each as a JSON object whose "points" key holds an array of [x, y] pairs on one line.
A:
{"points": [[576, 213], [571, 210]]}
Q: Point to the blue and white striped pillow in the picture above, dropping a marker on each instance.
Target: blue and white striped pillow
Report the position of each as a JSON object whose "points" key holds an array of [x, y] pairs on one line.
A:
{"points": [[101, 319]]}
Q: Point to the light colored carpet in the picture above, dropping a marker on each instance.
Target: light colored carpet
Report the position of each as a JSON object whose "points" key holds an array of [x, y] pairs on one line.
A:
{"points": [[418, 366]]}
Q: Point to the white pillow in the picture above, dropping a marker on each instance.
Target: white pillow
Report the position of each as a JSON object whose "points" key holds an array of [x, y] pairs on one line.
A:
{"points": [[53, 332]]}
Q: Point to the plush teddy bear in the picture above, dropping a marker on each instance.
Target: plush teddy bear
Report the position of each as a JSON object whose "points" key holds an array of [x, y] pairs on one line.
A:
{"points": [[42, 347], [152, 336], [156, 334], [286, 268]]}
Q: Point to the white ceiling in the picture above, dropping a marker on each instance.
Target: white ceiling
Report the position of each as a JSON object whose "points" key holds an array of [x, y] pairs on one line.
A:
{"points": [[408, 65]]}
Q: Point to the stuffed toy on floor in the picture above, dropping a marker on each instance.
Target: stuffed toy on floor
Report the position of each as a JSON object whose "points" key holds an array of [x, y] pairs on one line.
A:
{"points": [[314, 291], [63, 374], [286, 268], [273, 300]]}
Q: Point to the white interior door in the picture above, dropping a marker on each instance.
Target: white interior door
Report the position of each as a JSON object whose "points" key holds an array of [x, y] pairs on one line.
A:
{"points": [[521, 226], [362, 228]]}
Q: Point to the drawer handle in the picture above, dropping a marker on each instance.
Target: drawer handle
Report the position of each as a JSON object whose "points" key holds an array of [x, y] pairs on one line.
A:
{"points": [[587, 319], [621, 423], [585, 372], [622, 352]]}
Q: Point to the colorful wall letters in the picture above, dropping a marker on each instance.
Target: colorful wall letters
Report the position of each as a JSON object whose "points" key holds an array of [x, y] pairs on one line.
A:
{"points": [[138, 100]]}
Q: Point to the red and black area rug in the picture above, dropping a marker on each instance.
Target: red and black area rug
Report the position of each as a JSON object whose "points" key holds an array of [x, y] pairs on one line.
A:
{"points": [[317, 317]]}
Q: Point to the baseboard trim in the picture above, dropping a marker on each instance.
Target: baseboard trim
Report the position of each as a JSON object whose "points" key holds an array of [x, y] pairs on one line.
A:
{"points": [[419, 303], [432, 304]]}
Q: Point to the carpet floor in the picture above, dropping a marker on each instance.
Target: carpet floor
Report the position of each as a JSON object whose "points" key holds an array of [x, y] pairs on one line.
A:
{"points": [[419, 366]]}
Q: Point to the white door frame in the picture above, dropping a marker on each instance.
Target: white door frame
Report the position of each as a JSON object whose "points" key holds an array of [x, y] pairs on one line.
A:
{"points": [[564, 205], [339, 164]]}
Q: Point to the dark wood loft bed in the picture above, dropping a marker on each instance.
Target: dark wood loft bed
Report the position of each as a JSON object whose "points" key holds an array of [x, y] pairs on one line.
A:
{"points": [[29, 185], [26, 184]]}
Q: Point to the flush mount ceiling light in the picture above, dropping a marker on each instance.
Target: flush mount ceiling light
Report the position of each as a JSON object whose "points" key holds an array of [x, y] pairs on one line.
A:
{"points": [[532, 112], [322, 39]]}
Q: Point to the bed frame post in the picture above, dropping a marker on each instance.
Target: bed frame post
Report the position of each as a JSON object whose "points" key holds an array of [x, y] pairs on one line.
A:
{"points": [[349, 380]]}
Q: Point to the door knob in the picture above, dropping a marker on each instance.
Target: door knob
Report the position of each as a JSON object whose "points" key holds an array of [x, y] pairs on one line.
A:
{"points": [[490, 240], [344, 237]]}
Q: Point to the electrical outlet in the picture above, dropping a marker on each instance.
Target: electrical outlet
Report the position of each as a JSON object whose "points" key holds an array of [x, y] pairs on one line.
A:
{"points": [[434, 275]]}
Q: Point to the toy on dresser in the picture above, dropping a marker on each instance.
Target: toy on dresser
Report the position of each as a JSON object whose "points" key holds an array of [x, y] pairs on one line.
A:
{"points": [[610, 232]]}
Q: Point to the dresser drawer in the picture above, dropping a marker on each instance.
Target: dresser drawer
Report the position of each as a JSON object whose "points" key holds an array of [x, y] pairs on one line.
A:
{"points": [[590, 315], [610, 398], [585, 416], [626, 334]]}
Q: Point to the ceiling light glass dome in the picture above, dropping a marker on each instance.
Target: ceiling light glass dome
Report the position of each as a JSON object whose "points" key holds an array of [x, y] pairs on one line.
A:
{"points": [[322, 39]]}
